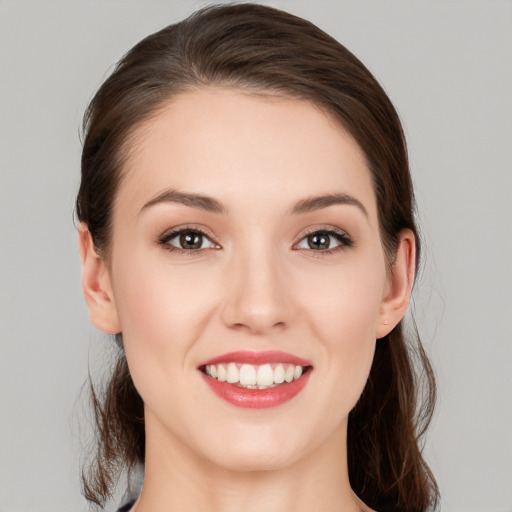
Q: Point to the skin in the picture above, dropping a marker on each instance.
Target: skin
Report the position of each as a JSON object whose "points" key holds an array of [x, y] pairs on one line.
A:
{"points": [[256, 286]]}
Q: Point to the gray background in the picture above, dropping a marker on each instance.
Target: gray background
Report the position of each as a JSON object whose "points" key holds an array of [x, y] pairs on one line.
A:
{"points": [[447, 67]]}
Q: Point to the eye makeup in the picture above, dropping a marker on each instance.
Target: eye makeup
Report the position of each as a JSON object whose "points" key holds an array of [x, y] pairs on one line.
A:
{"points": [[191, 239], [324, 241], [186, 240]]}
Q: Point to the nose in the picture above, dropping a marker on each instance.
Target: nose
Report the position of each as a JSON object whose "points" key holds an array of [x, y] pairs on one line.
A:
{"points": [[257, 299]]}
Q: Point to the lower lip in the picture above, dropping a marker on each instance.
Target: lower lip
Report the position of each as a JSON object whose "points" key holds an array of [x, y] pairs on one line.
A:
{"points": [[257, 398]]}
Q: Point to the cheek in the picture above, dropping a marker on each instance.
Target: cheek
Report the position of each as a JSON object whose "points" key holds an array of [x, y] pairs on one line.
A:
{"points": [[345, 300], [344, 316], [162, 311]]}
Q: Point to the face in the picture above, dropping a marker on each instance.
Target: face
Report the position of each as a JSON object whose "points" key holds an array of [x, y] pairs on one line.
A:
{"points": [[246, 246]]}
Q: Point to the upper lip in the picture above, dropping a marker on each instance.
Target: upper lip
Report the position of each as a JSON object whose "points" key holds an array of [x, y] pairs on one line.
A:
{"points": [[257, 358]]}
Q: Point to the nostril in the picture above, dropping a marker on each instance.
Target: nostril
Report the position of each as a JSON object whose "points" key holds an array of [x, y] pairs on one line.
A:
{"points": [[241, 327], [258, 327]]}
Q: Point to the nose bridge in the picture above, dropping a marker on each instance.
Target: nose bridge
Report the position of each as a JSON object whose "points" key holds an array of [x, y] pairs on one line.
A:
{"points": [[257, 298]]}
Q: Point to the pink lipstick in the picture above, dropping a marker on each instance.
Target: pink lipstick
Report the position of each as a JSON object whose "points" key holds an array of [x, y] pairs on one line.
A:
{"points": [[256, 379]]}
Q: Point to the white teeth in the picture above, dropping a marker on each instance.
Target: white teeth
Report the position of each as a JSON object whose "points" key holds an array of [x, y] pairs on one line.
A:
{"points": [[221, 373], [247, 375], [265, 376], [253, 376], [232, 374], [279, 374]]}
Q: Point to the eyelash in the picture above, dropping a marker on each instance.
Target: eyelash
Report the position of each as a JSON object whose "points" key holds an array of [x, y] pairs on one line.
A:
{"points": [[168, 236], [344, 240]]}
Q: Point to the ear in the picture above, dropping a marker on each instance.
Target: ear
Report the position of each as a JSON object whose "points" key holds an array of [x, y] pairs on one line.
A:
{"points": [[96, 285], [400, 280]]}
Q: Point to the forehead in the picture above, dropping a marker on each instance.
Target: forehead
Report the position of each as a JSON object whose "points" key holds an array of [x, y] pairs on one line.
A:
{"points": [[237, 146]]}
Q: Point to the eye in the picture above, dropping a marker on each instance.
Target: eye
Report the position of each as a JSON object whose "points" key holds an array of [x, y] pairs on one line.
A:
{"points": [[187, 240], [324, 240]]}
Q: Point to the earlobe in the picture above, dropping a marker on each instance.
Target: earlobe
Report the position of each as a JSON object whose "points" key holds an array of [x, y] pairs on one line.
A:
{"points": [[399, 285], [96, 285]]}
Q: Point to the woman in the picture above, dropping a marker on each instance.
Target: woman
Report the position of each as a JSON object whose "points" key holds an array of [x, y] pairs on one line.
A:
{"points": [[247, 234]]}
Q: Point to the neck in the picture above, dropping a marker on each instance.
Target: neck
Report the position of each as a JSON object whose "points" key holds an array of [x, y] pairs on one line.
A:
{"points": [[178, 479]]}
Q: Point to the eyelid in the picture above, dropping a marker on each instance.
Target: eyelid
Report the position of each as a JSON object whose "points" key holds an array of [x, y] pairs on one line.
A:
{"points": [[171, 233], [342, 236], [344, 239]]}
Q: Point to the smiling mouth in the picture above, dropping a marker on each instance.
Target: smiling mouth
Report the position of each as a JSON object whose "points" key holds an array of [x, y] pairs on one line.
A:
{"points": [[256, 380], [249, 376]]}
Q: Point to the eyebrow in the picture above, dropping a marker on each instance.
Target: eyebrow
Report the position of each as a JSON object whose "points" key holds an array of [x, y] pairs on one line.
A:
{"points": [[311, 204], [307, 205], [193, 200]]}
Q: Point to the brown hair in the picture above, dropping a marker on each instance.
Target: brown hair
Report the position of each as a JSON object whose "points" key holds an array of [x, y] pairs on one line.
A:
{"points": [[267, 50]]}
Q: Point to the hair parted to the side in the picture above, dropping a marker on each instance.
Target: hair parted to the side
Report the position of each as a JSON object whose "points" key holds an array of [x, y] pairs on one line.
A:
{"points": [[265, 50]]}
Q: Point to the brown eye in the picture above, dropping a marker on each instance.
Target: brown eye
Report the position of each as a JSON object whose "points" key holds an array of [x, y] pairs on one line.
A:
{"points": [[319, 241], [191, 240], [325, 240], [187, 240]]}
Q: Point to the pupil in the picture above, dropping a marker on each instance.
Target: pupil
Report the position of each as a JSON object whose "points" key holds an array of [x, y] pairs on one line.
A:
{"points": [[318, 241], [191, 240]]}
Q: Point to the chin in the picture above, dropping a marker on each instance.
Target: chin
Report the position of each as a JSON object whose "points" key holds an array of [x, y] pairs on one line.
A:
{"points": [[254, 461], [257, 452]]}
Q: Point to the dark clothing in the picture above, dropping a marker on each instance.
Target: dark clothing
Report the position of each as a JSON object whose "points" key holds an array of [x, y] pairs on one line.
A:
{"points": [[126, 507]]}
